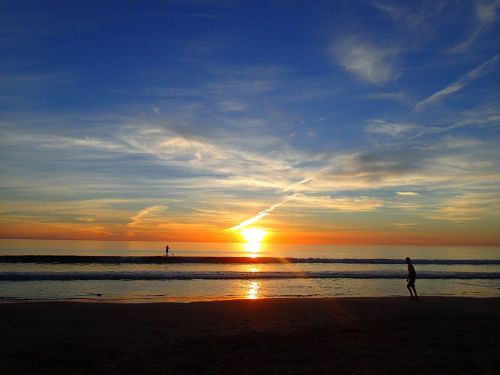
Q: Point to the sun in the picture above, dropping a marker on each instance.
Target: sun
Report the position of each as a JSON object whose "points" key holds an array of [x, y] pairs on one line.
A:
{"points": [[253, 235]]}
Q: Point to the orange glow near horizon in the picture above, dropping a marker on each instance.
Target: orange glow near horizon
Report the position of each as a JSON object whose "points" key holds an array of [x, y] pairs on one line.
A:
{"points": [[198, 233], [252, 249]]}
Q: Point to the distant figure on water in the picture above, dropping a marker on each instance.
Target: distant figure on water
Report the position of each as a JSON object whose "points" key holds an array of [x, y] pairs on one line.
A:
{"points": [[410, 279], [167, 249]]}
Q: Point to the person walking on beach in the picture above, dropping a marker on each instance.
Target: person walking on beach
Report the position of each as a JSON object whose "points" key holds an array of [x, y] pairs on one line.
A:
{"points": [[410, 279]]}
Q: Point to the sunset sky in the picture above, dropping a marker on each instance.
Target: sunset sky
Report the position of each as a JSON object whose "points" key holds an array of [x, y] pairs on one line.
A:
{"points": [[363, 122]]}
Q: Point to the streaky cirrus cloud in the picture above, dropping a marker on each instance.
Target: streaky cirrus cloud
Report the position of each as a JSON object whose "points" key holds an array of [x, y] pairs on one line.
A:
{"points": [[392, 129], [460, 83], [262, 214], [268, 211], [146, 215], [338, 203], [469, 206], [314, 202]]}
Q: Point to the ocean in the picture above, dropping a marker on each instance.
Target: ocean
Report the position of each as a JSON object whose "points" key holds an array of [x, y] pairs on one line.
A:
{"points": [[133, 271]]}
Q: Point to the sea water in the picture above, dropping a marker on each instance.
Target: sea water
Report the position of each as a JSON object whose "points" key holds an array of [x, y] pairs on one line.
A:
{"points": [[140, 272]]}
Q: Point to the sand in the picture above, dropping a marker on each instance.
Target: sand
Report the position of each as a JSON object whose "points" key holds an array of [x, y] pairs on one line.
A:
{"points": [[286, 336]]}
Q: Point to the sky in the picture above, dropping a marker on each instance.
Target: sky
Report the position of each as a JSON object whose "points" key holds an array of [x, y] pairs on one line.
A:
{"points": [[335, 122]]}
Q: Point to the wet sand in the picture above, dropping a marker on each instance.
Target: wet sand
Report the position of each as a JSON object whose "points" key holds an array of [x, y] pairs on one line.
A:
{"points": [[285, 336]]}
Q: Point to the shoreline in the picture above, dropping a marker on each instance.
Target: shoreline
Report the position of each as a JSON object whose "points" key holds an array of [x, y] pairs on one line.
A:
{"points": [[189, 300], [291, 335]]}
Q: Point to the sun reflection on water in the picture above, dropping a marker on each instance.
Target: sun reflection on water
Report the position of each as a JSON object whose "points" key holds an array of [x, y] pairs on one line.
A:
{"points": [[253, 290]]}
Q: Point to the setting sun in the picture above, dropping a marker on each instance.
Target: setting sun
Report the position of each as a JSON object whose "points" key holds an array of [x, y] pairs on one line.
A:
{"points": [[253, 238], [253, 235]]}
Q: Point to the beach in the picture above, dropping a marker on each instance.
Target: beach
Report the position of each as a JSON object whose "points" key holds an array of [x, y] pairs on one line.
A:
{"points": [[290, 336]]}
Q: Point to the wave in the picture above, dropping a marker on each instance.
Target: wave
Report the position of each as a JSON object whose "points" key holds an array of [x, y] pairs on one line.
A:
{"points": [[82, 259], [229, 275]]}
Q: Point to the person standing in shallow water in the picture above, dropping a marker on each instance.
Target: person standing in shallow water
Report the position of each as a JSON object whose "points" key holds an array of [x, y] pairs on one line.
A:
{"points": [[167, 248], [410, 279]]}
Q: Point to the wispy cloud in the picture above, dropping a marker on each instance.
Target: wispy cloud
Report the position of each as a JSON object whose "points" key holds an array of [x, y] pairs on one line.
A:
{"points": [[315, 202], [146, 215], [262, 214], [148, 219], [467, 207], [413, 16], [407, 193], [234, 173], [391, 129], [486, 116], [341, 203], [267, 211], [485, 16], [371, 62], [232, 106], [408, 207], [460, 83], [397, 96], [405, 226]]}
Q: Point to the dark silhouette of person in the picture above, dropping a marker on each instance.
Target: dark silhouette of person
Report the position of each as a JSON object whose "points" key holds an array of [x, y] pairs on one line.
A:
{"points": [[410, 279], [166, 250]]}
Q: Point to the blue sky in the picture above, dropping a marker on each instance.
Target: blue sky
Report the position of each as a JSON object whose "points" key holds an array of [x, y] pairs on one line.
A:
{"points": [[338, 121]]}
